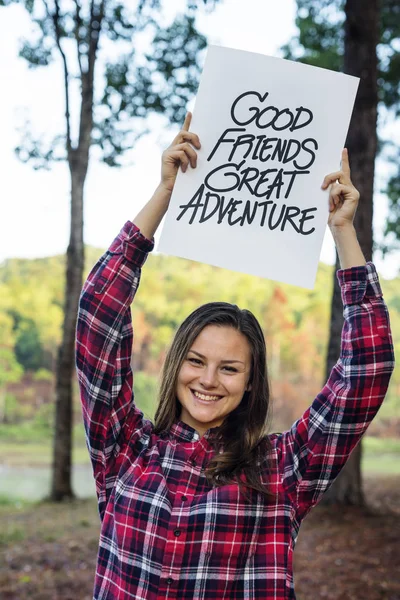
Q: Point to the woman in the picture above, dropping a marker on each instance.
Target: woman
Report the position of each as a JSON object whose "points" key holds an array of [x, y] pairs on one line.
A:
{"points": [[205, 504]]}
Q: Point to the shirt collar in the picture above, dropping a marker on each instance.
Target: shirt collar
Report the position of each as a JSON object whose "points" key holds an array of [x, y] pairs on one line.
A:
{"points": [[185, 433]]}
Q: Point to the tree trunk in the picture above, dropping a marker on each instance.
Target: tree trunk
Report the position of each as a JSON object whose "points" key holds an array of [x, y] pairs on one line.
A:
{"points": [[62, 456], [360, 59]]}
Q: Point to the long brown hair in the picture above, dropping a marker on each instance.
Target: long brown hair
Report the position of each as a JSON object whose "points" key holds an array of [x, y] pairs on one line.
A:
{"points": [[243, 434]]}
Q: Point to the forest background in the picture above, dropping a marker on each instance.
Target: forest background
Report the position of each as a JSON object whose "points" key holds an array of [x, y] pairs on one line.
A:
{"points": [[48, 551], [295, 322]]}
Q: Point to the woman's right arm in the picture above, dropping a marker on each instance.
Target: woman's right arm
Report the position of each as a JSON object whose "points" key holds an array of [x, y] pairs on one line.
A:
{"points": [[104, 328], [103, 348]]}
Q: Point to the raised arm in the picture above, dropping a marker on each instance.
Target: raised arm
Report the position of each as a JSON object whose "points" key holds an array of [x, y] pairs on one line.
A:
{"points": [[104, 328], [103, 349], [180, 154], [313, 452]]}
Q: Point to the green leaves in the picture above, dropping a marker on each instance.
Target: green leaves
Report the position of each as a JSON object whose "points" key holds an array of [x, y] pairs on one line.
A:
{"points": [[37, 55], [161, 77], [162, 81], [320, 42]]}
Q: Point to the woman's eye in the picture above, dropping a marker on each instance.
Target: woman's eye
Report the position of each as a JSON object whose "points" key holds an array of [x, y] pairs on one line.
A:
{"points": [[230, 369], [195, 361]]}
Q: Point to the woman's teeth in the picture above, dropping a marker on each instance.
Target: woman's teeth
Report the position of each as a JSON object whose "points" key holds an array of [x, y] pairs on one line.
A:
{"points": [[206, 398]]}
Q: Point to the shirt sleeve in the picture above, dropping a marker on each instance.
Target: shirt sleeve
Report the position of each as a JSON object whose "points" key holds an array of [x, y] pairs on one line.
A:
{"points": [[104, 345], [312, 453]]}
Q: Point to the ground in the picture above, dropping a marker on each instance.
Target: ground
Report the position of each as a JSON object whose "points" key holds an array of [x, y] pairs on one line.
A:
{"points": [[48, 551]]}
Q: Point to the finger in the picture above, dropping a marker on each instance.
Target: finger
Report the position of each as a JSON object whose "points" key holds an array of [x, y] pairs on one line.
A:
{"points": [[187, 121], [191, 153], [336, 194], [179, 156], [187, 136], [332, 178], [345, 165]]}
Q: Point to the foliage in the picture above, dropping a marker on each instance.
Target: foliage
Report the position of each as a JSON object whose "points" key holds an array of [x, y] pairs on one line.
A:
{"points": [[295, 322], [320, 42], [105, 35]]}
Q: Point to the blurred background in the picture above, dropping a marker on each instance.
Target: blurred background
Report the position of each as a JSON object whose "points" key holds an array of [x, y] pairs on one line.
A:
{"points": [[92, 92]]}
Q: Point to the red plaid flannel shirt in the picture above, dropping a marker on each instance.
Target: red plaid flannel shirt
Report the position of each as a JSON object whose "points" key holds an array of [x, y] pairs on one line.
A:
{"points": [[165, 533]]}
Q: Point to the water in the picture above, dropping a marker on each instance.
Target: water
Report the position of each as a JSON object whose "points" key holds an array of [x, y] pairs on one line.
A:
{"points": [[33, 483]]}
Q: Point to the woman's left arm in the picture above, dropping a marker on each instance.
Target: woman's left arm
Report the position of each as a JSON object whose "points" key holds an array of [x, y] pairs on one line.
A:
{"points": [[313, 452]]}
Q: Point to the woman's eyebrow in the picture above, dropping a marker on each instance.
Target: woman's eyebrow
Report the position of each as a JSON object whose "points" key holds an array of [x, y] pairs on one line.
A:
{"points": [[230, 360]]}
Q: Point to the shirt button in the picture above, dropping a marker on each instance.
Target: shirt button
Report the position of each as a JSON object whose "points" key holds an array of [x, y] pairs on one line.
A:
{"points": [[177, 532], [170, 580], [183, 498]]}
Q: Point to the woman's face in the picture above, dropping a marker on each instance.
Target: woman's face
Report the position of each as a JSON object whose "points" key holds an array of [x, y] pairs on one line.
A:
{"points": [[213, 377]]}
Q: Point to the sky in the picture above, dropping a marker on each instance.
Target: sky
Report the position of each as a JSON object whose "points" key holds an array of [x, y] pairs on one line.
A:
{"points": [[35, 204]]}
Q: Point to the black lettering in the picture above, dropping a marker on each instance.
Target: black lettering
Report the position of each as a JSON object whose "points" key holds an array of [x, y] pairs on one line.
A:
{"points": [[222, 139], [280, 149], [289, 157], [305, 217], [266, 146], [204, 217], [251, 109], [222, 210], [255, 153], [264, 112], [271, 216], [246, 178], [300, 111], [312, 160], [246, 213], [291, 182], [243, 139], [221, 168], [285, 111], [276, 184], [233, 209], [265, 208], [195, 204], [263, 179], [291, 211]]}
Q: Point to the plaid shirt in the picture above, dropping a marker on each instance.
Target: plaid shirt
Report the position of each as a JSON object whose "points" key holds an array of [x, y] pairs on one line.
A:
{"points": [[165, 533]]}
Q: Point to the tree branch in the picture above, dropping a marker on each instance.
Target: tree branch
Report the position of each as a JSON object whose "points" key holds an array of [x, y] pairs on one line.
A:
{"points": [[55, 18], [78, 24]]}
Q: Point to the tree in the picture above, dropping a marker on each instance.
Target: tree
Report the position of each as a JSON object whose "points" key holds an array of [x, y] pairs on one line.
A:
{"points": [[10, 369], [113, 105], [350, 36]]}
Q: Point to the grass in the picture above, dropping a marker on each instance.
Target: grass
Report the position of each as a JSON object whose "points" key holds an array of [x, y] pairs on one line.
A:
{"points": [[380, 455], [36, 454]]}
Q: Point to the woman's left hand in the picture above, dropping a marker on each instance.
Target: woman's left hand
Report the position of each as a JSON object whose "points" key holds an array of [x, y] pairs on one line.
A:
{"points": [[343, 196]]}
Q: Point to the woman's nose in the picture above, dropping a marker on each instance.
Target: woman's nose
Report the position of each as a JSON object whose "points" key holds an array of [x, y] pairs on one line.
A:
{"points": [[208, 378]]}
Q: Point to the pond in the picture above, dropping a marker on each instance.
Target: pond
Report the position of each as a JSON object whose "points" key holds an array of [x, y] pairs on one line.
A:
{"points": [[33, 483]]}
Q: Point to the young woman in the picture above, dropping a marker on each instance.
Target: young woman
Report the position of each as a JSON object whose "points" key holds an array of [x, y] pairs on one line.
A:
{"points": [[204, 504]]}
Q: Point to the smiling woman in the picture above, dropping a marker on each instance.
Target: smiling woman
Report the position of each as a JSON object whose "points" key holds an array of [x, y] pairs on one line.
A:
{"points": [[204, 503]]}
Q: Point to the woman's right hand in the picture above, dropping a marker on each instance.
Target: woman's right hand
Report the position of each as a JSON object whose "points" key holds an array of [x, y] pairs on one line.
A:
{"points": [[179, 154]]}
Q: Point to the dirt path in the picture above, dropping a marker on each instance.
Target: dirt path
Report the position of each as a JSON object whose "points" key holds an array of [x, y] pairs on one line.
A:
{"points": [[48, 552]]}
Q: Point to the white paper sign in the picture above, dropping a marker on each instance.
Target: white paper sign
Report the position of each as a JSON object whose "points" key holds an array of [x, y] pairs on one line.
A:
{"points": [[270, 130]]}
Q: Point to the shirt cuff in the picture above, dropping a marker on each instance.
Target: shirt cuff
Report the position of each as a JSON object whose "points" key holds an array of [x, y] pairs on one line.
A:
{"points": [[358, 283], [132, 244]]}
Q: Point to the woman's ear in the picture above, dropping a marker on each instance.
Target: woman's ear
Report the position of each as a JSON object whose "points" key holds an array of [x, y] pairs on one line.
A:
{"points": [[248, 388]]}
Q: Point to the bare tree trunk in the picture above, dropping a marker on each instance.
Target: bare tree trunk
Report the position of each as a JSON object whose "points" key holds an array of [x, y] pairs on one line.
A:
{"points": [[78, 161], [360, 59], [62, 457]]}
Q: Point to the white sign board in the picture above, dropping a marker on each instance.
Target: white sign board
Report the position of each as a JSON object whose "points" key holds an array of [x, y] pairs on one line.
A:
{"points": [[270, 129]]}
